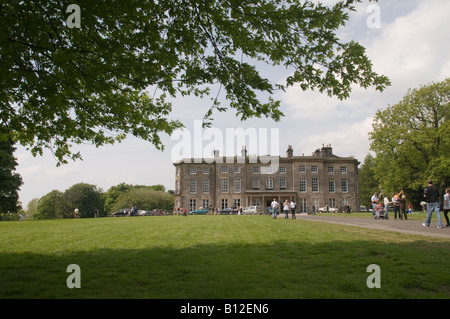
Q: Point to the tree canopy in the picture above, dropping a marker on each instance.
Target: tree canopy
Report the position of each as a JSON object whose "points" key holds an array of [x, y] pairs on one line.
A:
{"points": [[115, 73], [411, 139]]}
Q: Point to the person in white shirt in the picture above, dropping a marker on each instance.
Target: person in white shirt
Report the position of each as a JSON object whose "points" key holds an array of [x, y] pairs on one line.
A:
{"points": [[293, 207], [374, 200], [447, 205], [286, 209], [274, 206]]}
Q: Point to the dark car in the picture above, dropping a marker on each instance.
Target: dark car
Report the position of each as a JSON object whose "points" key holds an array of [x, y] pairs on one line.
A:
{"points": [[229, 211], [120, 213]]}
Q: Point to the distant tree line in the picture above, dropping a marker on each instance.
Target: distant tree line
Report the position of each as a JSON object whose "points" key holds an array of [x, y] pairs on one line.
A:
{"points": [[88, 198]]}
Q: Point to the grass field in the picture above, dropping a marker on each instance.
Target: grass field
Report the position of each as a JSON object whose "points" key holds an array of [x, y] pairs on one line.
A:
{"points": [[217, 257]]}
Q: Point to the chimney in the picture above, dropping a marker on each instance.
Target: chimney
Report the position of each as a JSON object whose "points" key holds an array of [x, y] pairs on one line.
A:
{"points": [[244, 151], [290, 152]]}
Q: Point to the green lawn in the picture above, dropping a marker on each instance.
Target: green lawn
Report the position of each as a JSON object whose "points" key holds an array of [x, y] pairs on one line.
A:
{"points": [[217, 257]]}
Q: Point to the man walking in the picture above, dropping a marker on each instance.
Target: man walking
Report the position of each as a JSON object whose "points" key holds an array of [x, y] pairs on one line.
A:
{"points": [[432, 195], [274, 206], [293, 207]]}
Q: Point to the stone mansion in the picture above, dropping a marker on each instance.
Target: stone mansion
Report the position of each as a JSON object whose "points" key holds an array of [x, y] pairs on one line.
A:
{"points": [[311, 181]]}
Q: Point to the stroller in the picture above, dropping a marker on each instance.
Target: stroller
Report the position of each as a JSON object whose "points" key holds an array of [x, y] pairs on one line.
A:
{"points": [[379, 212]]}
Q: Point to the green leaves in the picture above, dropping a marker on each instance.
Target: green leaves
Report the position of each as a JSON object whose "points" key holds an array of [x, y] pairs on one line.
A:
{"points": [[61, 86], [411, 138]]}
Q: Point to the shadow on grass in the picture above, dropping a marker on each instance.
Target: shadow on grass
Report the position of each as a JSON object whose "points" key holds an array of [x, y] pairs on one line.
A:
{"points": [[266, 271]]}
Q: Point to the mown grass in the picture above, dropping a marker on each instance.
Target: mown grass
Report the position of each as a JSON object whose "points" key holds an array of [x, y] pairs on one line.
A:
{"points": [[216, 257]]}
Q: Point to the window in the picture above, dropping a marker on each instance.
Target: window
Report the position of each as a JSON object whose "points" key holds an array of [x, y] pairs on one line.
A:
{"points": [[269, 183], [205, 170], [282, 183], [192, 205], [205, 203], [315, 204], [237, 202], [256, 183], [302, 205], [192, 186], [315, 184], [331, 186], [224, 169], [333, 202], [302, 169], [314, 169], [193, 170], [330, 169], [205, 187], [255, 170], [224, 203], [224, 185], [237, 185], [267, 170], [343, 169], [237, 169], [303, 185], [344, 185], [256, 202], [282, 169]]}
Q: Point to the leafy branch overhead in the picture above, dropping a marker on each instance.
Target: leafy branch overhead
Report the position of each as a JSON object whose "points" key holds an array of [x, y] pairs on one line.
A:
{"points": [[115, 74]]}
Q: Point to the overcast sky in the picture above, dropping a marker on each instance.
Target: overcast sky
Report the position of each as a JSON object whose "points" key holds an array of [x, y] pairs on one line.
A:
{"points": [[411, 46]]}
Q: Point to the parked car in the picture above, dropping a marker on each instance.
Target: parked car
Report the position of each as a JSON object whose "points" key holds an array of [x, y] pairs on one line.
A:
{"points": [[363, 209], [120, 213], [327, 209], [200, 211], [228, 211], [253, 210], [145, 213]]}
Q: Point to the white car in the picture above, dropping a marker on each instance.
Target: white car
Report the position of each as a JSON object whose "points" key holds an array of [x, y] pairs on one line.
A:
{"points": [[252, 210], [330, 210]]}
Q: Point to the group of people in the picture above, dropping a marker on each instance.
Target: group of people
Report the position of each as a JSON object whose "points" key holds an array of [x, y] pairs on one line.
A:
{"points": [[397, 200], [431, 194], [286, 208]]}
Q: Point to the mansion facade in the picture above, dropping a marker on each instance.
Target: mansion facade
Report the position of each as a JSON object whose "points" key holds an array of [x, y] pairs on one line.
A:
{"points": [[320, 180]]}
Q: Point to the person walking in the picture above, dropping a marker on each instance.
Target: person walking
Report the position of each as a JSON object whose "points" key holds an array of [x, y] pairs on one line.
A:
{"points": [[386, 207], [431, 193], [402, 201], [274, 207], [293, 207], [374, 200], [447, 205], [286, 209], [396, 205]]}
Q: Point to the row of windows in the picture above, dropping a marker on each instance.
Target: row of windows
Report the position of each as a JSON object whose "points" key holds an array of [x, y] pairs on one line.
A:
{"points": [[263, 169], [269, 185], [302, 204], [205, 203]]}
